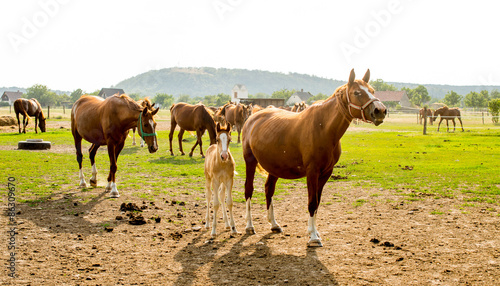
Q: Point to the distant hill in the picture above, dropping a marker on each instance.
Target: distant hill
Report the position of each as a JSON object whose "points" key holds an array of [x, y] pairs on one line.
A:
{"points": [[209, 81]]}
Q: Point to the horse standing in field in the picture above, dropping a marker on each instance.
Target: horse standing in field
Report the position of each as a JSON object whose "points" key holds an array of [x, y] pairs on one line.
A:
{"points": [[29, 107], [146, 102], [191, 118], [107, 122], [448, 114], [429, 115], [294, 145], [219, 172], [236, 115], [299, 106]]}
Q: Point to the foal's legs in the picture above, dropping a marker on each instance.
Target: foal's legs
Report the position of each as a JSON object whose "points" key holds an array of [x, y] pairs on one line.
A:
{"points": [[216, 201], [270, 186], [228, 201], [251, 164], [92, 152], [208, 195]]}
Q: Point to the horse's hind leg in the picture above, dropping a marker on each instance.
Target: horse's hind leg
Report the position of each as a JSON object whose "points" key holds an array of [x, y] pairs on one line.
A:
{"points": [[113, 152], [251, 165], [171, 135], [181, 133], [454, 125], [215, 186], [440, 120], [460, 119], [19, 122], [133, 137], [199, 135], [270, 186], [93, 151]]}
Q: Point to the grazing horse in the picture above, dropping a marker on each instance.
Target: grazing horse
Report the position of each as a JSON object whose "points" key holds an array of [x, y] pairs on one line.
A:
{"points": [[191, 118], [448, 114], [428, 114], [107, 122], [294, 145], [219, 172], [29, 107], [146, 102], [299, 106], [235, 115]]}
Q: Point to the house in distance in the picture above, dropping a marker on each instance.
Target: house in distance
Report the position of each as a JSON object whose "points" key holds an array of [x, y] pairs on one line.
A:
{"points": [[11, 96], [238, 92], [298, 97]]}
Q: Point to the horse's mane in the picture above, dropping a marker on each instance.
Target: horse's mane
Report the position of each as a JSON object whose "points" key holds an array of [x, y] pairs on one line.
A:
{"points": [[132, 104], [222, 110]]}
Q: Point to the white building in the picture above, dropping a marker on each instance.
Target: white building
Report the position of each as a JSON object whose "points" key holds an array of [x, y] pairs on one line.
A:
{"points": [[239, 91]]}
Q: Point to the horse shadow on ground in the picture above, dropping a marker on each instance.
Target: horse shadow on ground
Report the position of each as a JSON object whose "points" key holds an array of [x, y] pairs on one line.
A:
{"points": [[251, 264], [178, 160], [65, 213]]}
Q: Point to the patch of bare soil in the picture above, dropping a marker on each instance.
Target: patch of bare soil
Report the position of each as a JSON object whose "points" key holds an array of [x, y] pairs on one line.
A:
{"points": [[84, 238]]}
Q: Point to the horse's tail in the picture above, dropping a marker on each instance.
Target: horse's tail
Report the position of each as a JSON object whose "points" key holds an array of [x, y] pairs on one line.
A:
{"points": [[261, 170], [172, 107]]}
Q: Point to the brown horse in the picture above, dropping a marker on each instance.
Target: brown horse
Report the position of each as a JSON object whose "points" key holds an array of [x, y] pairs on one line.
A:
{"points": [[294, 145], [235, 115], [146, 102], [428, 114], [448, 114], [107, 122], [29, 107], [191, 118], [219, 172], [299, 106]]}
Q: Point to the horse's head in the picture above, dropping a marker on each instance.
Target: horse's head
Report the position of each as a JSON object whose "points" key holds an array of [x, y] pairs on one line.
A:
{"points": [[41, 122], [223, 139], [362, 103], [146, 126]]}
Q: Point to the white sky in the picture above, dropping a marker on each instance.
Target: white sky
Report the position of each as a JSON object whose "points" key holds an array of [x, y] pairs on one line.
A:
{"points": [[70, 44]]}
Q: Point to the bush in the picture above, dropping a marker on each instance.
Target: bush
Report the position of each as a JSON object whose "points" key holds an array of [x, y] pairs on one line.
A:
{"points": [[494, 107]]}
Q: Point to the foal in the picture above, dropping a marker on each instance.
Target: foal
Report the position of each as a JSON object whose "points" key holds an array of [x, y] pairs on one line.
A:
{"points": [[219, 172]]}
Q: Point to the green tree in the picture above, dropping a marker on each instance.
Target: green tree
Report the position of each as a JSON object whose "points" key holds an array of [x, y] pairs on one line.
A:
{"points": [[494, 94], [380, 85], [135, 96], [184, 98], [259, 95], [476, 100], [283, 93], [452, 98], [494, 107], [37, 91], [421, 95], [163, 100], [75, 95], [222, 99]]}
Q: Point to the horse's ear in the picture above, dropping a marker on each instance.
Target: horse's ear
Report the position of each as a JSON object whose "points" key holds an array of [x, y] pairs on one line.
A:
{"points": [[153, 105], [228, 128], [145, 111], [218, 127], [155, 111], [352, 76], [366, 78]]}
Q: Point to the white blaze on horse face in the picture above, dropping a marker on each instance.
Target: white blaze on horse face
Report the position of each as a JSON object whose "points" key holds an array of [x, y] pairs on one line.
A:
{"points": [[370, 95], [155, 144], [224, 143]]}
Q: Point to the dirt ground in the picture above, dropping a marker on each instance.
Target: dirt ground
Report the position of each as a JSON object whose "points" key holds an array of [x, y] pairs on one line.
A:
{"points": [[83, 238]]}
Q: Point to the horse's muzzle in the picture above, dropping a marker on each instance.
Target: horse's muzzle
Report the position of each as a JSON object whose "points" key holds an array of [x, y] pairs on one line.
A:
{"points": [[224, 156], [378, 113], [152, 148]]}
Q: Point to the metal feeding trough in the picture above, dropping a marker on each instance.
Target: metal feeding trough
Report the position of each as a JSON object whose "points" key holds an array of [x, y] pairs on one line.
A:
{"points": [[33, 144]]}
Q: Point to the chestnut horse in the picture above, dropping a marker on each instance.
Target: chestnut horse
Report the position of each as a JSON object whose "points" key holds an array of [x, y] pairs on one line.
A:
{"points": [[146, 102], [428, 113], [29, 107], [107, 122], [191, 118], [294, 145], [235, 115], [219, 172], [448, 114], [299, 106]]}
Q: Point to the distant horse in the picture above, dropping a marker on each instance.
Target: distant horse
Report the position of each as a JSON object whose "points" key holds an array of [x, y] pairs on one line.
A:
{"points": [[428, 113], [294, 145], [191, 118], [146, 102], [448, 114], [299, 106], [219, 172], [235, 115], [107, 122], [29, 107], [256, 108]]}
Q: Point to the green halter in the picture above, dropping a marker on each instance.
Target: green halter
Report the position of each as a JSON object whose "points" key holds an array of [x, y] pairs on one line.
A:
{"points": [[142, 133]]}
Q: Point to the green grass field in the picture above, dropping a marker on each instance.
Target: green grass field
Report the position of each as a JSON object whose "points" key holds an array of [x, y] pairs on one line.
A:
{"points": [[394, 157]]}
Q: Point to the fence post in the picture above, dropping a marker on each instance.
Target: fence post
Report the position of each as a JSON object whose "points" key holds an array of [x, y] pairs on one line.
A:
{"points": [[64, 111], [48, 111], [425, 120], [483, 118], [10, 109]]}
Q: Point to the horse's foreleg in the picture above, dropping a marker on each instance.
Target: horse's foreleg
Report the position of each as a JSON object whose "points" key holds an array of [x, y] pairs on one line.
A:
{"points": [[314, 189], [447, 126], [111, 186], [238, 128], [440, 120], [181, 133], [270, 186], [208, 194], [171, 136], [36, 124], [19, 122], [454, 125], [251, 164], [133, 137], [92, 153], [79, 158], [460, 119], [198, 141], [215, 186], [229, 202]]}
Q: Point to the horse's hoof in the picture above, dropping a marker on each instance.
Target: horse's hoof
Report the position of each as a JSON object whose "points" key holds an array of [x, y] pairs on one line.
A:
{"points": [[250, 230], [213, 235], [93, 183], [314, 243], [83, 185], [276, 229], [233, 230], [190, 154], [114, 195], [202, 156]]}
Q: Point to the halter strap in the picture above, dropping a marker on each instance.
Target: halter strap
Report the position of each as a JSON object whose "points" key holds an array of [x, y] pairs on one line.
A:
{"points": [[142, 133], [360, 108]]}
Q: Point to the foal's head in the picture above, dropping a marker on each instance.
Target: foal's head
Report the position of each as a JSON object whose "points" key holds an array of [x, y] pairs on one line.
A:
{"points": [[362, 103], [146, 126], [223, 139]]}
